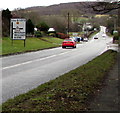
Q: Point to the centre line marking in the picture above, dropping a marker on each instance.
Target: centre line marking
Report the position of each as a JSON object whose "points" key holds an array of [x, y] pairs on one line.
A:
{"points": [[28, 62]]}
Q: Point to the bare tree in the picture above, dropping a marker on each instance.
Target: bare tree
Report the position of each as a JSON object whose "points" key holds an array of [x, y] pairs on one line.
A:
{"points": [[105, 7], [57, 22]]}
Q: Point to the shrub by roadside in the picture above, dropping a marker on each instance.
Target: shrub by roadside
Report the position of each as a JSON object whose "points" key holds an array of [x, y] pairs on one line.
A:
{"points": [[69, 92]]}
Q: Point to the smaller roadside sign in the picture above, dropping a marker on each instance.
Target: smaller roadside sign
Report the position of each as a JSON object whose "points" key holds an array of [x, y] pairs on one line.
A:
{"points": [[18, 29]]}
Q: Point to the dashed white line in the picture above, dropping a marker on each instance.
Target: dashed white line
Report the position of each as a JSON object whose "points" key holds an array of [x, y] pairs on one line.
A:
{"points": [[28, 62]]}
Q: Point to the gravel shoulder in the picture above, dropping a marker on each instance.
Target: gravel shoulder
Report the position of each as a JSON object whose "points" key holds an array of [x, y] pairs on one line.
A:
{"points": [[108, 97]]}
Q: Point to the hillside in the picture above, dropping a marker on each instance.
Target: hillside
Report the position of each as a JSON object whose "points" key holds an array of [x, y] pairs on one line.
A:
{"points": [[58, 9], [82, 8]]}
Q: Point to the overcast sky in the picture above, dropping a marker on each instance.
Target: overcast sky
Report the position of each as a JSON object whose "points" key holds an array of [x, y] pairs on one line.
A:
{"points": [[12, 4]]}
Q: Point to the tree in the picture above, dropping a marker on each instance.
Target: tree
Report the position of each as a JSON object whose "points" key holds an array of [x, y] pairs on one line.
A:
{"points": [[108, 6], [42, 26], [105, 7], [110, 25], [6, 16], [29, 27], [59, 23]]}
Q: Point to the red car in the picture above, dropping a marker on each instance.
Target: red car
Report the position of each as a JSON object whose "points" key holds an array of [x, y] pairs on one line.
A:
{"points": [[68, 43]]}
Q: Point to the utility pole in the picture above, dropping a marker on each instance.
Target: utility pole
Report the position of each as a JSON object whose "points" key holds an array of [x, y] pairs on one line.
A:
{"points": [[68, 22], [114, 24]]}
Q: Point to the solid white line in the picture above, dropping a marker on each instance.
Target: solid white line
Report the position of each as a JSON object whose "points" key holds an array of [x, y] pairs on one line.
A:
{"points": [[28, 62]]}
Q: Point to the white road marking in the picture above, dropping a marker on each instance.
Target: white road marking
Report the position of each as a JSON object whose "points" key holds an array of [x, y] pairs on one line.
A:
{"points": [[28, 62]]}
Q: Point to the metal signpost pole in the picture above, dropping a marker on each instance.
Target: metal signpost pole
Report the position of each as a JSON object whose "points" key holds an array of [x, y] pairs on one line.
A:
{"points": [[11, 33], [24, 43]]}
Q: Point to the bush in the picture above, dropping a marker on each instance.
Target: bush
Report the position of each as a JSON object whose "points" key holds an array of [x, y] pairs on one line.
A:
{"points": [[116, 36], [42, 26], [29, 27], [62, 35], [38, 34], [52, 34]]}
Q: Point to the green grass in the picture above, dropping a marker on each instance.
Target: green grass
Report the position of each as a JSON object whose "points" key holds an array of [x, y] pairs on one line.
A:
{"points": [[0, 108], [53, 40], [69, 92], [31, 44]]}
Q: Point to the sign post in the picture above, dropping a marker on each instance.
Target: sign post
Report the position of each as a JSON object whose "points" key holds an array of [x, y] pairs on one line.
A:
{"points": [[18, 29]]}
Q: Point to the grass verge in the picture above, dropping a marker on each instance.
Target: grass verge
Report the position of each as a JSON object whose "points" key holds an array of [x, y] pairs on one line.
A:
{"points": [[69, 92], [32, 44]]}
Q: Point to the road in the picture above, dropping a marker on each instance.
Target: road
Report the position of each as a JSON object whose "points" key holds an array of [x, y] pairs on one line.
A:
{"points": [[21, 73]]}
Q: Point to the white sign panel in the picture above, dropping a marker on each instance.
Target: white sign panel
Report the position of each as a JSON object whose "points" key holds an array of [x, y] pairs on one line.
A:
{"points": [[18, 29]]}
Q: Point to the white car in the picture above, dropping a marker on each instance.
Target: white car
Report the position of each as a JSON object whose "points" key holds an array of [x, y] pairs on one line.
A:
{"points": [[103, 35], [85, 39], [95, 37]]}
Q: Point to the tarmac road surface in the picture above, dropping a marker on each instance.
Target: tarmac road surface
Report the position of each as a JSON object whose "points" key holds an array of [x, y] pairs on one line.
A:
{"points": [[21, 73]]}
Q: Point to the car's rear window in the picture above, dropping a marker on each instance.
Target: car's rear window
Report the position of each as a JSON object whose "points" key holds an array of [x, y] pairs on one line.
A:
{"points": [[68, 40]]}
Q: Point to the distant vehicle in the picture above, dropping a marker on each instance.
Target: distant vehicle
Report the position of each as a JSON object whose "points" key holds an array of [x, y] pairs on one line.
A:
{"points": [[103, 35], [69, 43], [85, 39], [73, 38], [81, 39], [95, 37], [77, 39]]}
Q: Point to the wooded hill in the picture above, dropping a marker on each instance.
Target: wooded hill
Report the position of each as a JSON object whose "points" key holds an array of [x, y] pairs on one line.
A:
{"points": [[58, 9], [80, 7]]}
